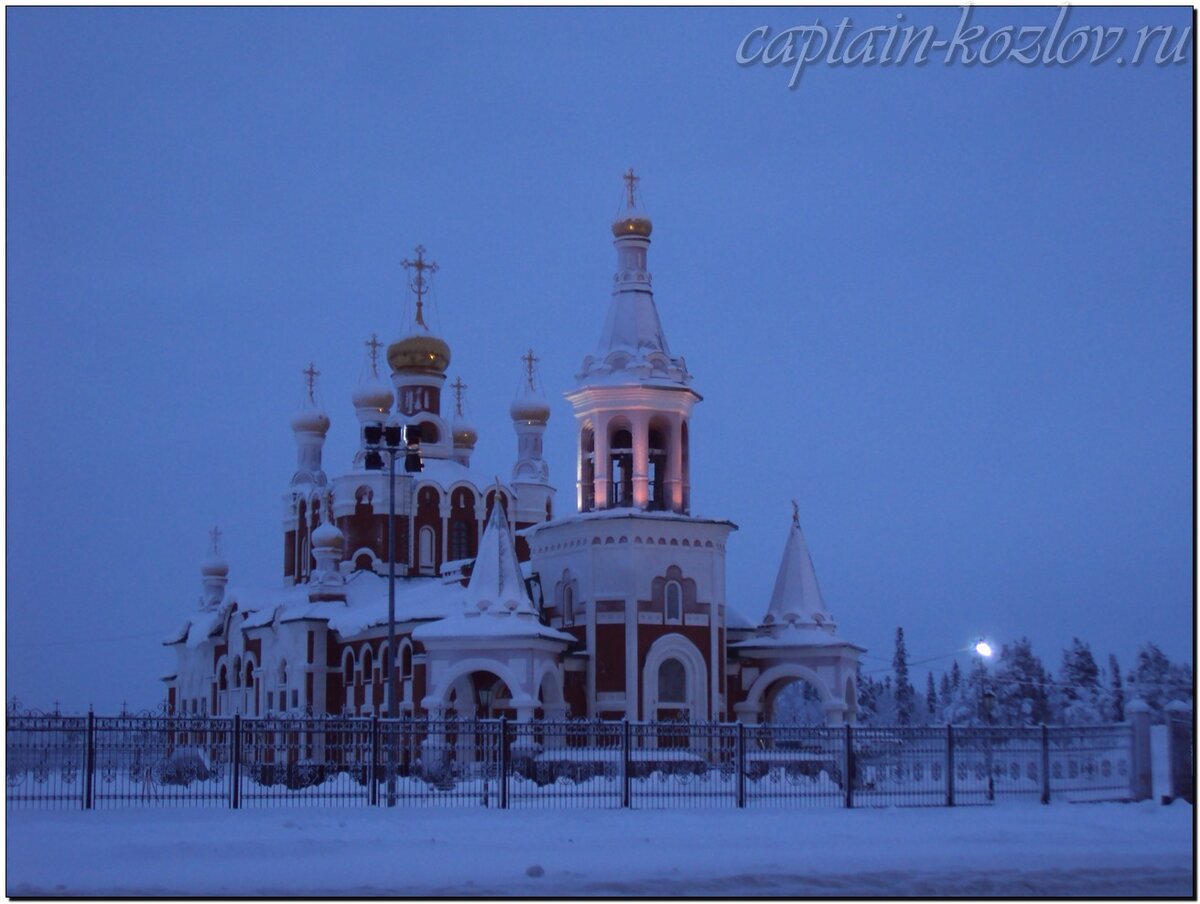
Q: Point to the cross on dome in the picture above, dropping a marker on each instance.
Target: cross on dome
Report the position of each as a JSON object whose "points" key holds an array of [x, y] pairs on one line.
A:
{"points": [[418, 283], [529, 360], [311, 373], [458, 386], [215, 536], [631, 182], [374, 345]]}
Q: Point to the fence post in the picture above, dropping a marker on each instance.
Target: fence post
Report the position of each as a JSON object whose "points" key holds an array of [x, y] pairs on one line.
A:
{"points": [[849, 778], [949, 765], [1045, 763], [626, 754], [235, 773], [741, 764], [504, 763], [1137, 711], [89, 763], [372, 775]]}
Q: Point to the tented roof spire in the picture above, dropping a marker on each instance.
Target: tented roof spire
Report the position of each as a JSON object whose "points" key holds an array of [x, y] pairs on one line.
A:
{"points": [[797, 596]]}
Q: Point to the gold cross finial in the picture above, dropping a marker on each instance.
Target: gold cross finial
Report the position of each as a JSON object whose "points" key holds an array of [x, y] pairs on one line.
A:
{"points": [[631, 182], [529, 360], [418, 283], [374, 345], [458, 385], [311, 373], [795, 513], [215, 536]]}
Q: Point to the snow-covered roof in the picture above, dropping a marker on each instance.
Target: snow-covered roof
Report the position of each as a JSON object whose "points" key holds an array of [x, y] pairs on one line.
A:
{"points": [[495, 602], [615, 513], [366, 605], [446, 472], [797, 596]]}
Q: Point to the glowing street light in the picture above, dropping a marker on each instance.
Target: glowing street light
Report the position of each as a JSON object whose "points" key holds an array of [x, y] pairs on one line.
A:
{"points": [[984, 649]]}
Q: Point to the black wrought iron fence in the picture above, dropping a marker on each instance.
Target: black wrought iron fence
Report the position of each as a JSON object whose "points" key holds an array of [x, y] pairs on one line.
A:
{"points": [[56, 761]]}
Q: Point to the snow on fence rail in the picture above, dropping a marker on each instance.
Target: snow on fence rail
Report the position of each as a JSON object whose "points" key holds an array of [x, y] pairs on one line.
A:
{"points": [[57, 761]]}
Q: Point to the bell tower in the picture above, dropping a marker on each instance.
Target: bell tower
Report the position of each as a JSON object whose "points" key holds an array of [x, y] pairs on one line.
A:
{"points": [[634, 399], [635, 576]]}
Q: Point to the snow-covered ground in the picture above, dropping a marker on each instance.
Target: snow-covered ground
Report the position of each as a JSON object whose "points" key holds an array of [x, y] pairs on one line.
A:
{"points": [[1016, 849]]}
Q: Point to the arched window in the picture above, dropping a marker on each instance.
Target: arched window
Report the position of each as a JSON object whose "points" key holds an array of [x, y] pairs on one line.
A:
{"points": [[366, 665], [406, 661], [568, 602], [674, 602], [348, 669], [656, 483], [237, 671], [587, 470], [672, 682], [460, 540], [426, 545], [620, 468], [429, 431], [223, 679], [249, 682]]}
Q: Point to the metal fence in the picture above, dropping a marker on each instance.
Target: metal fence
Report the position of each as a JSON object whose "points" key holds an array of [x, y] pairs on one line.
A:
{"points": [[56, 761]]}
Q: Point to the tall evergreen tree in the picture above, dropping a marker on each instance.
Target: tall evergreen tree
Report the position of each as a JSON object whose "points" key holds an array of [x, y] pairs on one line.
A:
{"points": [[868, 693], [955, 676], [1151, 677], [944, 688], [931, 697], [1020, 685], [1078, 690], [904, 692], [1116, 694]]}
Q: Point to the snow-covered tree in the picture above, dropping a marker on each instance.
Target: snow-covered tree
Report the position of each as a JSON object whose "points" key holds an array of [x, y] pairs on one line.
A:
{"points": [[868, 693], [1116, 691], [932, 708], [798, 703], [1020, 686], [1158, 681], [904, 692], [1077, 693]]}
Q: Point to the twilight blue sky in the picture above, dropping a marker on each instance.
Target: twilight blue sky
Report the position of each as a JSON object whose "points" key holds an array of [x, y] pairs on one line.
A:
{"points": [[947, 308]]}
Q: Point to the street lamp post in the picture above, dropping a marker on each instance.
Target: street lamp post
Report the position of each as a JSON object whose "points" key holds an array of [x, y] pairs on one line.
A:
{"points": [[987, 708], [390, 440]]}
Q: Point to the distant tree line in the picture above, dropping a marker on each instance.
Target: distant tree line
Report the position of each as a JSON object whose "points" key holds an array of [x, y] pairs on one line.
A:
{"points": [[1014, 687]]}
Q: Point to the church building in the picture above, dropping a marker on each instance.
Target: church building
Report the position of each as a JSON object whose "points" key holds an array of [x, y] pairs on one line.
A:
{"points": [[503, 603]]}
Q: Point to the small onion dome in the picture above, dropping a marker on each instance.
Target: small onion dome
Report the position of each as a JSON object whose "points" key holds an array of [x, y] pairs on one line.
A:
{"points": [[632, 225], [464, 434], [327, 536], [373, 393], [310, 419], [420, 351], [214, 567], [529, 406]]}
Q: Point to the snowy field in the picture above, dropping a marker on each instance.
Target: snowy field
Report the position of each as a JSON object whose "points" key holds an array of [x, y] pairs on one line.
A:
{"points": [[1012, 850]]}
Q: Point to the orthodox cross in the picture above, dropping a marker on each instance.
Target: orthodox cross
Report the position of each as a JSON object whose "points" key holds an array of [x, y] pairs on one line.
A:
{"points": [[311, 373], [631, 182], [458, 385], [419, 284], [529, 360], [374, 345], [215, 535], [795, 513]]}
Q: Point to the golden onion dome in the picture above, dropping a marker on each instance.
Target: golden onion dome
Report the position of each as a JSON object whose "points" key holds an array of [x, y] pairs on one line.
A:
{"points": [[420, 351], [632, 226], [464, 434], [529, 407], [310, 419], [373, 393], [327, 536]]}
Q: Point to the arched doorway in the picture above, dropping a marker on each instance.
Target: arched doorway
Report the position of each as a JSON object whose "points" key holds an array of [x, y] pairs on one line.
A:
{"points": [[794, 701]]}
